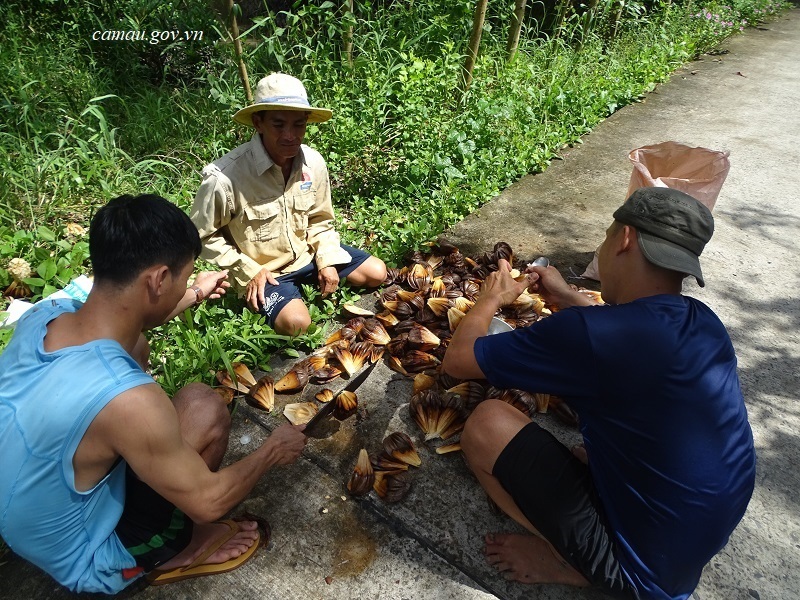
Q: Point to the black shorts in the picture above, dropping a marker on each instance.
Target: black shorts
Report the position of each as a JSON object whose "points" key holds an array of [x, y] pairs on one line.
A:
{"points": [[152, 529], [554, 491], [288, 288]]}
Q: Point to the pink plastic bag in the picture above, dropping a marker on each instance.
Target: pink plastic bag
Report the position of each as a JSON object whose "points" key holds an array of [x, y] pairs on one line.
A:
{"points": [[699, 172]]}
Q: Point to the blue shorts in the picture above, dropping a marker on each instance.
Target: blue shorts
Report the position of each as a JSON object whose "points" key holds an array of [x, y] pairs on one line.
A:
{"points": [[288, 288]]}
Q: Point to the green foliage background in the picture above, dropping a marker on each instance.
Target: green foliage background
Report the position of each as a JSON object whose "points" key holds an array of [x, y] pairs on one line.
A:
{"points": [[84, 120]]}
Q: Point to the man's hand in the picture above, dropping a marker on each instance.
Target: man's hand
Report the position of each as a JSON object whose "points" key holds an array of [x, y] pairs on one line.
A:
{"points": [[550, 285], [328, 280], [213, 283], [500, 287], [287, 443], [254, 293]]}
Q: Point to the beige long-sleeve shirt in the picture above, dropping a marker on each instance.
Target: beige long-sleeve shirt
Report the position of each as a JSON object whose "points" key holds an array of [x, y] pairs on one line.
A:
{"points": [[250, 219]]}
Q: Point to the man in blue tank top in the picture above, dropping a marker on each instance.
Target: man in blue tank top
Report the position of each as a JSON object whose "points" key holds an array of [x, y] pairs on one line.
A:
{"points": [[104, 477], [668, 464]]}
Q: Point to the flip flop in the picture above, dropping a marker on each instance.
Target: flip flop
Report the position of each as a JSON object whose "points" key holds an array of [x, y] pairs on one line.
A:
{"points": [[198, 569]]}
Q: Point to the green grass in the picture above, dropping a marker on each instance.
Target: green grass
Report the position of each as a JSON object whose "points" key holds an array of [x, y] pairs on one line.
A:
{"points": [[84, 121]]}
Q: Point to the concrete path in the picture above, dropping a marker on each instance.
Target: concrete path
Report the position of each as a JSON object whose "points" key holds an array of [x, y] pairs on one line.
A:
{"points": [[326, 545]]}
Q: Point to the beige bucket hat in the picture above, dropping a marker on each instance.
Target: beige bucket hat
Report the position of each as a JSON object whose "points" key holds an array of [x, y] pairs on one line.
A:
{"points": [[279, 91]]}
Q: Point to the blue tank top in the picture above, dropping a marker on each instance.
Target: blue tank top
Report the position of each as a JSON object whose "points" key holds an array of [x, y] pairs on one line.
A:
{"points": [[663, 419], [47, 402]]}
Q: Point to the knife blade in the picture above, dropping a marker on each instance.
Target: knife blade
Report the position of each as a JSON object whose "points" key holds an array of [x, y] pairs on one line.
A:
{"points": [[324, 412]]}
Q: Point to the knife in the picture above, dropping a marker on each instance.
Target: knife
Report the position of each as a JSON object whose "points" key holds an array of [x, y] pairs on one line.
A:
{"points": [[322, 415]]}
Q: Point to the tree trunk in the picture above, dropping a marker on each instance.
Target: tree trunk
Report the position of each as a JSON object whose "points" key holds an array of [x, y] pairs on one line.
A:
{"points": [[589, 20], [516, 27], [617, 19], [561, 18], [237, 46], [347, 46], [474, 44]]}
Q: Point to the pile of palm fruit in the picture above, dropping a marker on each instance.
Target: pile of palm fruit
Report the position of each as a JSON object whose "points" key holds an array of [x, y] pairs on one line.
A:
{"points": [[420, 309]]}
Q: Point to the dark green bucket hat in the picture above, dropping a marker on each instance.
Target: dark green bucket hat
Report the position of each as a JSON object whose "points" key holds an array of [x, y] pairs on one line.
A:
{"points": [[673, 228]]}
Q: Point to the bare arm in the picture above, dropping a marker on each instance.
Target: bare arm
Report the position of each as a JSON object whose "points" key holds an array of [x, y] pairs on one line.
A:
{"points": [[212, 285], [141, 425], [498, 290]]}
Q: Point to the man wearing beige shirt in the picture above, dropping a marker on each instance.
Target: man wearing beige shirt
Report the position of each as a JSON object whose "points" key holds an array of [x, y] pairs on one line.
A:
{"points": [[264, 211]]}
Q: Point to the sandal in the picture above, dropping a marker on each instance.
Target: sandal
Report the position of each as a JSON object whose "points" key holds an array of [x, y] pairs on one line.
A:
{"points": [[198, 569]]}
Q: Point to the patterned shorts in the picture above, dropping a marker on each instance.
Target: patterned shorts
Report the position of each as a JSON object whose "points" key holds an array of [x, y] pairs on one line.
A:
{"points": [[288, 288]]}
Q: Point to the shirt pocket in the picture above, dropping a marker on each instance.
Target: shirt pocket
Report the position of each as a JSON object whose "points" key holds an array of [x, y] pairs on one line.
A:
{"points": [[304, 201], [263, 222]]}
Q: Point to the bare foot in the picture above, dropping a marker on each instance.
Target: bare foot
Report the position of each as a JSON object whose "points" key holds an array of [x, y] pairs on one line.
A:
{"points": [[203, 535], [529, 559]]}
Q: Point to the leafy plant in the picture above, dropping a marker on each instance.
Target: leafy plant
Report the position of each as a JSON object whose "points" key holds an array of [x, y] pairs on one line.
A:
{"points": [[212, 336], [53, 262], [325, 308]]}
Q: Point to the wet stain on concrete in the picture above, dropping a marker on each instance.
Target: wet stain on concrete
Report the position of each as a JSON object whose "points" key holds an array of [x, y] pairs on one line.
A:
{"points": [[355, 548]]}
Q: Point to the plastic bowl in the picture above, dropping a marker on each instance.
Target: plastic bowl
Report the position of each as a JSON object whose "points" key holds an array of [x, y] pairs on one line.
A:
{"points": [[499, 326]]}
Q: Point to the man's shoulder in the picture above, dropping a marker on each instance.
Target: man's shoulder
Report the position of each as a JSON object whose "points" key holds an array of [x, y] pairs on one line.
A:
{"points": [[647, 306], [147, 396], [677, 305], [46, 310], [230, 161], [310, 153], [657, 324], [312, 158], [101, 366], [31, 327]]}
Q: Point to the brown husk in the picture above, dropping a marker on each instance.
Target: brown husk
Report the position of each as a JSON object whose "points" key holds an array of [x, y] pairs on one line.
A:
{"points": [[262, 394], [446, 449], [363, 477], [400, 446], [346, 405], [324, 395], [374, 332]]}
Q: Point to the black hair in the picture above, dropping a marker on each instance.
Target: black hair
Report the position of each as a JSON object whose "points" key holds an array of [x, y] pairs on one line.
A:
{"points": [[132, 233]]}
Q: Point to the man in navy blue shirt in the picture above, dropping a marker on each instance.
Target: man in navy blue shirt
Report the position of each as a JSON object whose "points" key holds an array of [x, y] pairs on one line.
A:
{"points": [[669, 464]]}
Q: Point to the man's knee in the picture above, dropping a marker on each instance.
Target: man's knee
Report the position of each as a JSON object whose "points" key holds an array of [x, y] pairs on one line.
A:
{"points": [[488, 430], [478, 427], [199, 406], [293, 319], [371, 273], [194, 393], [377, 272], [205, 422]]}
